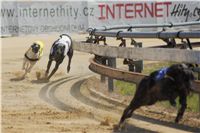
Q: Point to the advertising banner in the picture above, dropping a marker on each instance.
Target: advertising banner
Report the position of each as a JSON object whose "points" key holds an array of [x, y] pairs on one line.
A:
{"points": [[43, 17], [143, 12]]}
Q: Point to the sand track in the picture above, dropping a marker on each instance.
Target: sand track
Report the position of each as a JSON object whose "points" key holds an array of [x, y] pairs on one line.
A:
{"points": [[63, 104], [98, 108]]}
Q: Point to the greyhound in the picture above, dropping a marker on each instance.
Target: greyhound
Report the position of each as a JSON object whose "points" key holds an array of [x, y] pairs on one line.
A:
{"points": [[31, 56], [59, 49], [165, 84]]}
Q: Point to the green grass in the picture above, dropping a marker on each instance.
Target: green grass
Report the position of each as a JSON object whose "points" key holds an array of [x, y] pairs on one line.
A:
{"points": [[126, 88]]}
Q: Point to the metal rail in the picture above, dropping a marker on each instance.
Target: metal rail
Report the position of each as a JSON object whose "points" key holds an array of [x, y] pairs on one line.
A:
{"points": [[168, 25], [105, 31], [125, 75], [152, 34]]}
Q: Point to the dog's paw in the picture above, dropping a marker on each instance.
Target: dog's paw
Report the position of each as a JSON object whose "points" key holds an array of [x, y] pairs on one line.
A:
{"points": [[68, 69], [173, 103], [47, 78], [116, 128], [38, 75], [178, 118], [46, 75], [119, 127]]}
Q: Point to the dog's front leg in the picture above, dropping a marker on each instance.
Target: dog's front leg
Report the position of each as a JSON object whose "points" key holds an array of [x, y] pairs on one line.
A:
{"points": [[128, 112], [54, 70], [48, 67], [183, 102], [24, 64], [31, 64]]}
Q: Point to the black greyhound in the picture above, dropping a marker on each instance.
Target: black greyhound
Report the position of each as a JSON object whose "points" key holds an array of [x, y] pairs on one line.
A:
{"points": [[59, 49], [164, 84]]}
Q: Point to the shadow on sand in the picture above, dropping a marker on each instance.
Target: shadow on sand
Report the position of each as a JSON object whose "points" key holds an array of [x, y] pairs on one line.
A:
{"points": [[17, 79]]}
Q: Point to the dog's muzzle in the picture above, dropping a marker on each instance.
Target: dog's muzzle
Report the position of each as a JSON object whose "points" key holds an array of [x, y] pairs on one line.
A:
{"points": [[35, 48]]}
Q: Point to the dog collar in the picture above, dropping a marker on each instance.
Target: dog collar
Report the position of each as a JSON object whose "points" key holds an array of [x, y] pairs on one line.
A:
{"points": [[30, 58]]}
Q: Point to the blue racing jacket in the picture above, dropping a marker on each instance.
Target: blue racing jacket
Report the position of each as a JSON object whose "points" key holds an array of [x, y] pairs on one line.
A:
{"points": [[161, 74]]}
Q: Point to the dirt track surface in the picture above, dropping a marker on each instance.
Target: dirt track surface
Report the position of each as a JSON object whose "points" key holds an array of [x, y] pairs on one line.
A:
{"points": [[65, 103]]}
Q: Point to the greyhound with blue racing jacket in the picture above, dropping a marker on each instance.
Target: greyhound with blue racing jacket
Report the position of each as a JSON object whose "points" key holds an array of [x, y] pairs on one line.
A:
{"points": [[164, 84]]}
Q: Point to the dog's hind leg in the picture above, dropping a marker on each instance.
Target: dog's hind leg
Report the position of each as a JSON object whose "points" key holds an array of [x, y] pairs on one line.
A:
{"points": [[172, 97], [70, 54], [183, 102]]}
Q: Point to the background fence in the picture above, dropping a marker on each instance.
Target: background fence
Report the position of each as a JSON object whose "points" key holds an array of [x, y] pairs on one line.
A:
{"points": [[155, 54]]}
